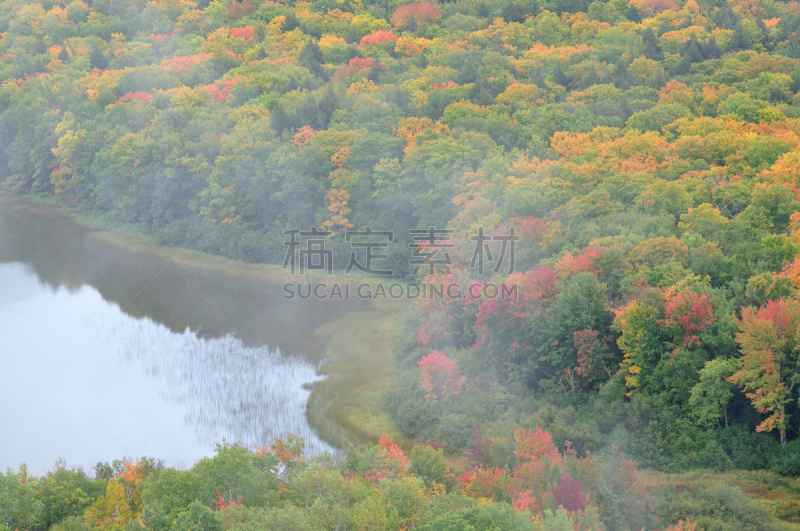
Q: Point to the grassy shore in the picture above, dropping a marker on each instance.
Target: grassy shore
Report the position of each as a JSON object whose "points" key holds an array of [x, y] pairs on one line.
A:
{"points": [[778, 494], [346, 407]]}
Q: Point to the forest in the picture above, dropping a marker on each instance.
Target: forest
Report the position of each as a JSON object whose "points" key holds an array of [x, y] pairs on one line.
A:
{"points": [[646, 153]]}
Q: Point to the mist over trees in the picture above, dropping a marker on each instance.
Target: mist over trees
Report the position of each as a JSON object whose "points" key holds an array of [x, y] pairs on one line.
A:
{"points": [[646, 153]]}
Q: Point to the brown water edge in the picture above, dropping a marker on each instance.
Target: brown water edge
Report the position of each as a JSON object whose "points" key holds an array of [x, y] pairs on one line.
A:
{"points": [[346, 408]]}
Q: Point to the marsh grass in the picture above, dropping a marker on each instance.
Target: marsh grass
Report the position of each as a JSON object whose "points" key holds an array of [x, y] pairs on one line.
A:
{"points": [[347, 407], [779, 495]]}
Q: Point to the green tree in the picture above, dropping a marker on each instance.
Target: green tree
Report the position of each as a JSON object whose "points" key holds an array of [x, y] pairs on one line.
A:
{"points": [[197, 517], [20, 503], [710, 396], [581, 304]]}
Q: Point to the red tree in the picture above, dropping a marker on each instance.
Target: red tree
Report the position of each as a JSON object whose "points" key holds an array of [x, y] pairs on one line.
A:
{"points": [[569, 494], [587, 260], [134, 96], [378, 37], [770, 364], [689, 314], [420, 12], [440, 377], [535, 445]]}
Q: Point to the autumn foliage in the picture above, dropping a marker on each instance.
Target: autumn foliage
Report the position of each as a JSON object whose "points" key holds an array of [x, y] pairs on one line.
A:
{"points": [[440, 377], [691, 314], [769, 364], [419, 12], [683, 526], [145, 97], [535, 445], [568, 493], [378, 37]]}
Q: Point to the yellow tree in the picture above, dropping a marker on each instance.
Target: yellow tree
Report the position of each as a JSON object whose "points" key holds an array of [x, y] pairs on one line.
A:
{"points": [[111, 509], [65, 177]]}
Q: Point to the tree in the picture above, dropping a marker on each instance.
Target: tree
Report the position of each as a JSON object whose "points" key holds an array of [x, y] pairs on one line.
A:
{"points": [[67, 492], [770, 364], [705, 220], [20, 504], [652, 49], [66, 176], [580, 305], [594, 356], [710, 396], [113, 506], [440, 377], [197, 517], [683, 526], [660, 251], [418, 12], [535, 445], [568, 493], [641, 339], [687, 315]]}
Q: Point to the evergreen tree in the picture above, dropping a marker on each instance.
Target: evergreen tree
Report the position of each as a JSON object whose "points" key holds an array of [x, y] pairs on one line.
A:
{"points": [[353, 36], [561, 77], [738, 40], [690, 53], [291, 22], [513, 12], [622, 77], [633, 14], [711, 50], [311, 58], [651, 48], [280, 121], [97, 59]]}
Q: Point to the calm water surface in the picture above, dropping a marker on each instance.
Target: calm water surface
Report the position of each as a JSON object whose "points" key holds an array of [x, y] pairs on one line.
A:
{"points": [[106, 353]]}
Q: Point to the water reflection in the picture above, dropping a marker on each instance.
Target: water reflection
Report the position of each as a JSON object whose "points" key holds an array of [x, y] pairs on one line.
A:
{"points": [[230, 390], [149, 358]]}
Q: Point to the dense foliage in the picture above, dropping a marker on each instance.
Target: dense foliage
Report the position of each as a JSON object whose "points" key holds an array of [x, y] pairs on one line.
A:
{"points": [[646, 153]]}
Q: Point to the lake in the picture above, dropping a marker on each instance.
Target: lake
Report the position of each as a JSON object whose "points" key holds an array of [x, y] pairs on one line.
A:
{"points": [[107, 352]]}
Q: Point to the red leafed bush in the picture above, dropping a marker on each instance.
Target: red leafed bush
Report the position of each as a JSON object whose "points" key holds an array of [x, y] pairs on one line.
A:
{"points": [[440, 377], [378, 37], [479, 454], [245, 33], [362, 63], [587, 260], [506, 320], [683, 526], [132, 96], [535, 445], [222, 504], [690, 313], [222, 89], [420, 12], [445, 85], [569, 494], [530, 229], [593, 354]]}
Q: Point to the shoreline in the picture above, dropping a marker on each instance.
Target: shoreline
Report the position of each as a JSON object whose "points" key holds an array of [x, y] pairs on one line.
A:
{"points": [[343, 407]]}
